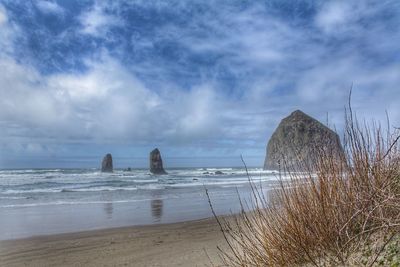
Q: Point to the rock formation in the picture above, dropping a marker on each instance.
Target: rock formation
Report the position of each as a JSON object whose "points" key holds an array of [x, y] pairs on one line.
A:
{"points": [[296, 142], [107, 164], [156, 164]]}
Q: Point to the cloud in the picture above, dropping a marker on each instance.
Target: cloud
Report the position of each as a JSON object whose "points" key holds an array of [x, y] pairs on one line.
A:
{"points": [[49, 7], [96, 21], [26, 104], [335, 15], [105, 103], [199, 113], [3, 15], [207, 77], [9, 33]]}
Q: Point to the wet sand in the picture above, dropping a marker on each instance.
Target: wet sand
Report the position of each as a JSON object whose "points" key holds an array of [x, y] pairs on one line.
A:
{"points": [[176, 205], [192, 243]]}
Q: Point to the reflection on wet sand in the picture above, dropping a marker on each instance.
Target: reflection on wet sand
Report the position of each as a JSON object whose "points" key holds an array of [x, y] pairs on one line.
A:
{"points": [[157, 209], [109, 208]]}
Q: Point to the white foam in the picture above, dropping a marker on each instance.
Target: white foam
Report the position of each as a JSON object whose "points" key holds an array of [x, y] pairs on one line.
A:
{"points": [[39, 190], [74, 203], [99, 189]]}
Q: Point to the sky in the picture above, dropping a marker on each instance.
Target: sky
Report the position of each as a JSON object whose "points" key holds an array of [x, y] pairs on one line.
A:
{"points": [[205, 81]]}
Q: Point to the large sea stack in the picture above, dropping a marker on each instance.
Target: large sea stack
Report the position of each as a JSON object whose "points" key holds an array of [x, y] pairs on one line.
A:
{"points": [[297, 141], [156, 164], [107, 164]]}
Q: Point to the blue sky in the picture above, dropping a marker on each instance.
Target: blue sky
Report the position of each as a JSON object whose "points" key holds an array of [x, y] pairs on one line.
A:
{"points": [[205, 81]]}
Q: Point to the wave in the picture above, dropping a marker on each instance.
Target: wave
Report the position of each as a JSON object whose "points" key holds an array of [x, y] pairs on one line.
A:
{"points": [[152, 187], [13, 198], [99, 189], [32, 183], [40, 190], [77, 202], [219, 169], [99, 186], [214, 183], [65, 190]]}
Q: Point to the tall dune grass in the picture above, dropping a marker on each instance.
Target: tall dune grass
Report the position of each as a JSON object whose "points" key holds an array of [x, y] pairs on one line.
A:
{"points": [[343, 211]]}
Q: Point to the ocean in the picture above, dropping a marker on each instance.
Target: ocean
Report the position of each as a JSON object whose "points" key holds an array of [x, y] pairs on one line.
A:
{"points": [[51, 201]]}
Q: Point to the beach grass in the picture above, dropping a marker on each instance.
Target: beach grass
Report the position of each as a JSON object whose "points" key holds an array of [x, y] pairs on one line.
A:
{"points": [[343, 211]]}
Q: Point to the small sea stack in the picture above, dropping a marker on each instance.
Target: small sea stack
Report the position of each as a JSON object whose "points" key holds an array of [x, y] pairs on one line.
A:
{"points": [[156, 164], [107, 163], [297, 141]]}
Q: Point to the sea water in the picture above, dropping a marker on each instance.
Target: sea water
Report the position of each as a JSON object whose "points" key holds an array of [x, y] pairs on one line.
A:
{"points": [[49, 201]]}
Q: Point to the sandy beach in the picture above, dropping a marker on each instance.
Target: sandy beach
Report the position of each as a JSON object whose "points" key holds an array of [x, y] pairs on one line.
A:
{"points": [[192, 243]]}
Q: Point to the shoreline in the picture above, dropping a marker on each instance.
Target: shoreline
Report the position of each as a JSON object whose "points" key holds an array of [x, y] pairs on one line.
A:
{"points": [[170, 244]]}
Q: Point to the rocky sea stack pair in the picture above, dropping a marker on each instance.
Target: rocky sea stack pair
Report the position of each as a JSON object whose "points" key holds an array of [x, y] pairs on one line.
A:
{"points": [[156, 164], [298, 141]]}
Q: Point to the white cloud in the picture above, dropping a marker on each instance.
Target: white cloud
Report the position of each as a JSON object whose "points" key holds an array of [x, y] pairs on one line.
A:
{"points": [[3, 15], [276, 67], [23, 100], [334, 15], [105, 103], [252, 41], [47, 6], [343, 17], [9, 32], [198, 114], [97, 22]]}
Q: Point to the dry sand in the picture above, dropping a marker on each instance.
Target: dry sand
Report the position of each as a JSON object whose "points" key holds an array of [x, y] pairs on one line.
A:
{"points": [[180, 244]]}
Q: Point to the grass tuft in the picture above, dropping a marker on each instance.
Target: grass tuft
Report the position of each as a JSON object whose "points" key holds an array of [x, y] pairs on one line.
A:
{"points": [[343, 211]]}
